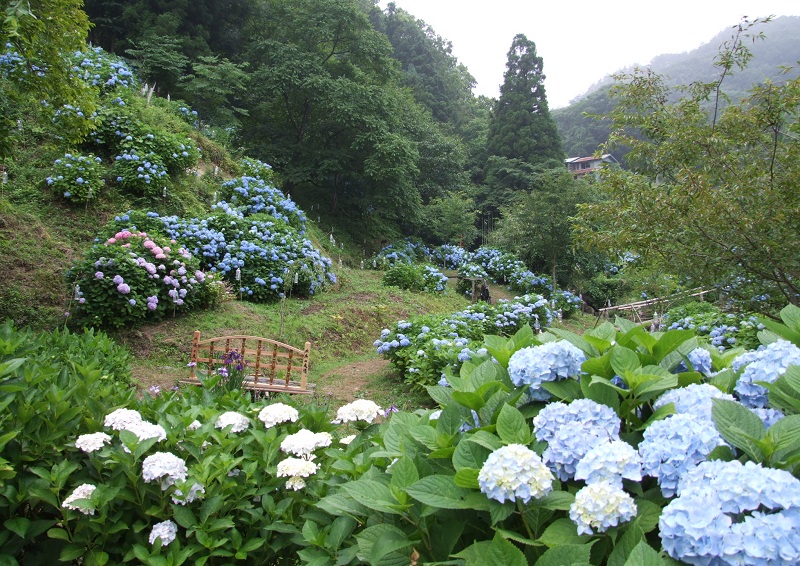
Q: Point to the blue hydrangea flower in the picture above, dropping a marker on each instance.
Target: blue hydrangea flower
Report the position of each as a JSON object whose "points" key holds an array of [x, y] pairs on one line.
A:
{"points": [[599, 506], [585, 412], [674, 445], [551, 361], [767, 364], [569, 445], [610, 462], [694, 399], [768, 416], [730, 513], [514, 472], [700, 359]]}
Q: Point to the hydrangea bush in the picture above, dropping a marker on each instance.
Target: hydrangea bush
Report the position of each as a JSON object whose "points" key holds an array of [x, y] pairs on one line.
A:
{"points": [[415, 277], [134, 276], [78, 178], [620, 467]]}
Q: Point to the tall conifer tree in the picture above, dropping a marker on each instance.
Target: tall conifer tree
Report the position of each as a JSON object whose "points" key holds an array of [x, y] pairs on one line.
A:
{"points": [[521, 127]]}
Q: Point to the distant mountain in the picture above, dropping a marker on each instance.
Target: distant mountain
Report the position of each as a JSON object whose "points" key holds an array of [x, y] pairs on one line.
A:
{"points": [[581, 135]]}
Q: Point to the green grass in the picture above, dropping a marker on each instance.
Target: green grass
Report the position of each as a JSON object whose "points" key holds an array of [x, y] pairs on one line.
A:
{"points": [[341, 325]]}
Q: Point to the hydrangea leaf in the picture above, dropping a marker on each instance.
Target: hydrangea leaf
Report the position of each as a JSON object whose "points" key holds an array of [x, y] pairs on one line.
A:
{"points": [[496, 551], [485, 439], [500, 511], [184, 516], [566, 555], [644, 555], [511, 535], [404, 473], [567, 390], [596, 392], [739, 426], [561, 532], [790, 315], [624, 360], [624, 546], [341, 503], [467, 478], [511, 426], [605, 331], [441, 491], [450, 420], [661, 413], [373, 494], [786, 435], [575, 340], [670, 341], [598, 344], [469, 455], [379, 541], [557, 500], [600, 366]]}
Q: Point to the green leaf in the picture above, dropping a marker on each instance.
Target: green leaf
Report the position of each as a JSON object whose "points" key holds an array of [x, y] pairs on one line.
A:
{"points": [[18, 526], [495, 552], [567, 555], [183, 516], [669, 341], [375, 495], [556, 501], [210, 506], [624, 360], [565, 390], [790, 334], [599, 393], [644, 555], [404, 473], [469, 399], [469, 455], [661, 413], [790, 315], [647, 514], [467, 478], [599, 366], [739, 426], [786, 433], [340, 504], [377, 541], [511, 427], [340, 529], [441, 491], [625, 545], [562, 532], [485, 439]]}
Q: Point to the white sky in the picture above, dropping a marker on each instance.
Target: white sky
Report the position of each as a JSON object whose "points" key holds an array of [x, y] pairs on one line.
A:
{"points": [[580, 41]]}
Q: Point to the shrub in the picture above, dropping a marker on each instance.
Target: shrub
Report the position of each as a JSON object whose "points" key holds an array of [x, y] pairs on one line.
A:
{"points": [[134, 277], [413, 277], [723, 330], [78, 178], [449, 256], [247, 196]]}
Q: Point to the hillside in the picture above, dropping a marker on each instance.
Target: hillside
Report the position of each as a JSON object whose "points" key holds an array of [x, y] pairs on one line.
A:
{"points": [[779, 49]]}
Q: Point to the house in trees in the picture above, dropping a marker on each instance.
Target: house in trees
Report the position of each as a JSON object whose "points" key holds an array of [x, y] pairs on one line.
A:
{"points": [[582, 166]]}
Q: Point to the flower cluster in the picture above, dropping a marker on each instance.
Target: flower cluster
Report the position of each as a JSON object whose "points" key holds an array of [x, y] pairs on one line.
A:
{"points": [[78, 178], [694, 399], [81, 493], [551, 361], [610, 462], [514, 472], [730, 513], [722, 330], [674, 445], [449, 256], [92, 442], [766, 364], [408, 250], [164, 467], [296, 469], [140, 174], [165, 530], [599, 506], [134, 276], [278, 413], [100, 69], [304, 442], [237, 421], [358, 410], [245, 196]]}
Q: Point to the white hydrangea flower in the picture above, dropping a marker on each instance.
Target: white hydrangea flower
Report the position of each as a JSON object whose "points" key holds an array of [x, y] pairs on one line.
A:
{"points": [[277, 413], [166, 467], [358, 410], [599, 506], [145, 430], [194, 492], [166, 531], [296, 483], [347, 439], [610, 461], [121, 419], [81, 492], [237, 421], [304, 442], [194, 425], [515, 472], [92, 442], [296, 467]]}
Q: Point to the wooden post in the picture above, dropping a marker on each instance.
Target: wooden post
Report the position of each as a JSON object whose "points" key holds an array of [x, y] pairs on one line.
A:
{"points": [[195, 348], [304, 374]]}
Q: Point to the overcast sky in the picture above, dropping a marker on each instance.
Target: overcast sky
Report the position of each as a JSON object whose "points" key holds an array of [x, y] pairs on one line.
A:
{"points": [[580, 41]]}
